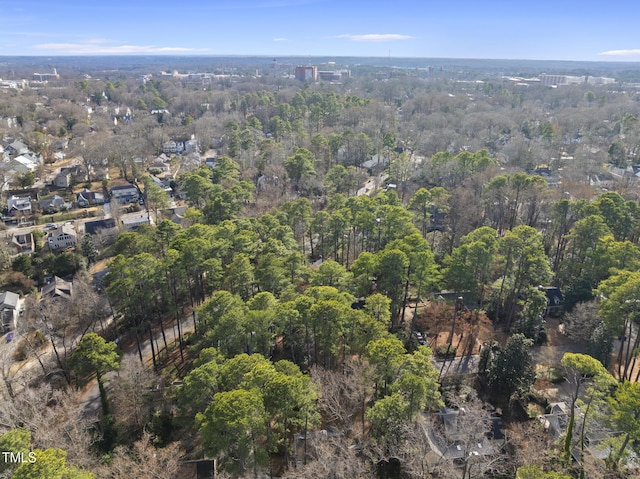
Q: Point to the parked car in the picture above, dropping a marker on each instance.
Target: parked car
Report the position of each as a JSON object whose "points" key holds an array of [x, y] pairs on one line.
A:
{"points": [[9, 337]]}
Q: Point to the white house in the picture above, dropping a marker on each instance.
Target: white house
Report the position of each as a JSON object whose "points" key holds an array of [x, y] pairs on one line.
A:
{"points": [[62, 237], [19, 206], [131, 222], [124, 194], [9, 310]]}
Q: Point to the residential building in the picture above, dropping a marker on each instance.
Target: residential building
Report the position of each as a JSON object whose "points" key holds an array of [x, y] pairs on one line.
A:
{"points": [[306, 73], [58, 288], [172, 147], [10, 305], [19, 206], [54, 204], [88, 198], [62, 237], [68, 176], [124, 194], [191, 146], [131, 222], [62, 179], [23, 243], [462, 433], [555, 300], [17, 148], [165, 184], [99, 226], [25, 163], [161, 164]]}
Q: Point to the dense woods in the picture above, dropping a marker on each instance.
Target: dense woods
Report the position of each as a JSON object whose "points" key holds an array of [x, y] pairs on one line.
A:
{"points": [[272, 315]]}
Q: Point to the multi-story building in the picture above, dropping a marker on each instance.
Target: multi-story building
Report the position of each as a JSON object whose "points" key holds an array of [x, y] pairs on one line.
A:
{"points": [[124, 194], [62, 237], [306, 73], [555, 80]]}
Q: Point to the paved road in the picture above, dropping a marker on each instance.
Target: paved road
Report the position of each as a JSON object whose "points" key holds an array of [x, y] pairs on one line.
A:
{"points": [[91, 395]]}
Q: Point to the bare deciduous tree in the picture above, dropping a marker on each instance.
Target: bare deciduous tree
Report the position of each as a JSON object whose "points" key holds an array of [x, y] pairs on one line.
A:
{"points": [[130, 394], [143, 460], [343, 393]]}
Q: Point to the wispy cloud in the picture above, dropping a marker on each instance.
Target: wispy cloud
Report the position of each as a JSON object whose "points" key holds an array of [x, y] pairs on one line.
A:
{"points": [[28, 34], [375, 37], [621, 53], [103, 47], [280, 39]]}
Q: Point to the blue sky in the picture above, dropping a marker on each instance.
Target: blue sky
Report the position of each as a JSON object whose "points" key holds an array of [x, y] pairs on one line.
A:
{"points": [[541, 29]]}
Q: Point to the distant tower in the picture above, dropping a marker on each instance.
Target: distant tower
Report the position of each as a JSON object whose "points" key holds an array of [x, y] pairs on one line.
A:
{"points": [[274, 64]]}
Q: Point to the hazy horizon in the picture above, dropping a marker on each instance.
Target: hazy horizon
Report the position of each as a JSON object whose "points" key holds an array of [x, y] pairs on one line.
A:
{"points": [[462, 29]]}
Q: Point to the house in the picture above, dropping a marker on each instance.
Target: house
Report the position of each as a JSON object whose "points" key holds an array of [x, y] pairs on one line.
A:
{"points": [[19, 206], [62, 237], [191, 146], [100, 226], [171, 147], [24, 163], [162, 158], [17, 148], [100, 173], [131, 222], [23, 243], [376, 164], [58, 288], [461, 433], [60, 145], [165, 184], [436, 220], [88, 198], [67, 176], [160, 164], [9, 310], [555, 423], [124, 194], [555, 300], [62, 179], [175, 214], [54, 204]]}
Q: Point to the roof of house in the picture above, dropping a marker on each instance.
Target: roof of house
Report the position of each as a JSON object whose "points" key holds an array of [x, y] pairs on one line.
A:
{"points": [[8, 300], [54, 202], [123, 188], [66, 228], [18, 146], [135, 218], [93, 227], [19, 203], [90, 196], [58, 288]]}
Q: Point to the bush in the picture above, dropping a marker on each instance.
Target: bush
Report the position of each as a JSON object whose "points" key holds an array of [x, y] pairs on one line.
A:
{"points": [[445, 352], [32, 341]]}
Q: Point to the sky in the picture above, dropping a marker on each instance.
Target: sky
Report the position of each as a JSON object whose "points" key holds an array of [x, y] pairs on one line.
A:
{"points": [[495, 29]]}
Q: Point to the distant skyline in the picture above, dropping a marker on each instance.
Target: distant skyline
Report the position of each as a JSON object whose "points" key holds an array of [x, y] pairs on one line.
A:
{"points": [[497, 29]]}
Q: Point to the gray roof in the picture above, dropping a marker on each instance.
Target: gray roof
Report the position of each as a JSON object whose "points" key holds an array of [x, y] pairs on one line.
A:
{"points": [[8, 300], [58, 287]]}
